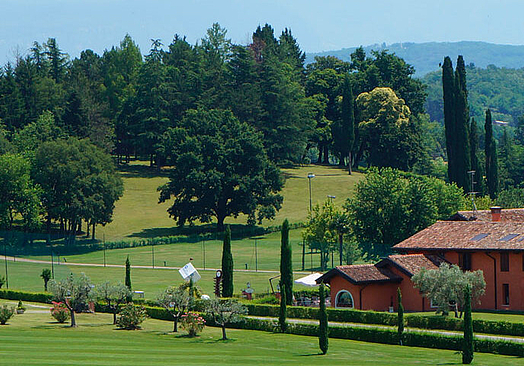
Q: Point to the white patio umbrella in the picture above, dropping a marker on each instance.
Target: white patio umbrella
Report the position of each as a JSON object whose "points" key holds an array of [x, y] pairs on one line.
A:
{"points": [[309, 280]]}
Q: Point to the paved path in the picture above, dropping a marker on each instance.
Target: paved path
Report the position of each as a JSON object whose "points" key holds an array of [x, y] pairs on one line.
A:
{"points": [[19, 259], [414, 330]]}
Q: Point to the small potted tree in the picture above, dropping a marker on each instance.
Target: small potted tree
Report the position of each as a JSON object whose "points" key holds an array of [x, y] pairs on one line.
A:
{"points": [[20, 308]]}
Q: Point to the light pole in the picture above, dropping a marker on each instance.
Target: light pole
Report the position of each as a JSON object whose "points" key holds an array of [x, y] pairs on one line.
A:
{"points": [[309, 177], [6, 272]]}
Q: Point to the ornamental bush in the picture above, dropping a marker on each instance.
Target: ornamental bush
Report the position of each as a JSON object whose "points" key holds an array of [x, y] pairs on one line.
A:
{"points": [[131, 317], [193, 323], [60, 312], [6, 313]]}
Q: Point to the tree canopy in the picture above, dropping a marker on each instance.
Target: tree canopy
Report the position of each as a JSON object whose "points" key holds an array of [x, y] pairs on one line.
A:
{"points": [[221, 170]]}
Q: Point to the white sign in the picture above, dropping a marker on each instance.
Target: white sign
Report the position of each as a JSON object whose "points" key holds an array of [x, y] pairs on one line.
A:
{"points": [[188, 271]]}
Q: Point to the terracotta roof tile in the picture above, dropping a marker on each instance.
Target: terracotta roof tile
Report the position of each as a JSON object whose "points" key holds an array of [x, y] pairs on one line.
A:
{"points": [[413, 263], [466, 235], [365, 273], [506, 215]]}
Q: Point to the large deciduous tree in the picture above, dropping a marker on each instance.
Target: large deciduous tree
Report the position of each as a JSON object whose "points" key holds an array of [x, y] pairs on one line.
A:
{"points": [[388, 134], [389, 206], [221, 170]]}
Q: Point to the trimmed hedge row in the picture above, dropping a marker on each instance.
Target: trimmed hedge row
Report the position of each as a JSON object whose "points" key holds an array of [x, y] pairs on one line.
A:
{"points": [[383, 318], [26, 296]]}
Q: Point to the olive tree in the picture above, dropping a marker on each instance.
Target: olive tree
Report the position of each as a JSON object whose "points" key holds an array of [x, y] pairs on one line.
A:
{"points": [[225, 312], [74, 292], [113, 295], [176, 300], [446, 286]]}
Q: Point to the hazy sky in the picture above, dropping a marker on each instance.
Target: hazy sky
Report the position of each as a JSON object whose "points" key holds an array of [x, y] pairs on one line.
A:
{"points": [[320, 25]]}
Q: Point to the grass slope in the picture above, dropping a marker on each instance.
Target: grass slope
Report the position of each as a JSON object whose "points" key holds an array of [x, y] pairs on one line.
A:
{"points": [[137, 214], [33, 338]]}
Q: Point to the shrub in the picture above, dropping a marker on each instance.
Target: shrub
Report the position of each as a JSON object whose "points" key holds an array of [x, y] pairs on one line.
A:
{"points": [[26, 296], [60, 312], [2, 281], [193, 323], [268, 299], [6, 313], [131, 317]]}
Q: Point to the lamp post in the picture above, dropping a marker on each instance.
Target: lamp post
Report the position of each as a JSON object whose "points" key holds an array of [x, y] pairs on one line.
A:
{"points": [[309, 177]]}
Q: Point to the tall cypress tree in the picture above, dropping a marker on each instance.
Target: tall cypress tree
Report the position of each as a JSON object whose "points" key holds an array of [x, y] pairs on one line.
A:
{"points": [[323, 329], [227, 265], [467, 350], [448, 89], [283, 308], [474, 146], [128, 274], [490, 149], [286, 265], [462, 151], [400, 313]]}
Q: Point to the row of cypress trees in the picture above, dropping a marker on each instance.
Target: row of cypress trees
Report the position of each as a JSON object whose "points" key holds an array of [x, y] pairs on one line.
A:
{"points": [[462, 143]]}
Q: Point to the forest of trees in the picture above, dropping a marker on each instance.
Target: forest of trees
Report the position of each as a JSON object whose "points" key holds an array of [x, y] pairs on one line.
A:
{"points": [[63, 119]]}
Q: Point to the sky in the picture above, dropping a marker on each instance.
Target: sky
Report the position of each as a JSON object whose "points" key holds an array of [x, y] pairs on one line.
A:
{"points": [[320, 25]]}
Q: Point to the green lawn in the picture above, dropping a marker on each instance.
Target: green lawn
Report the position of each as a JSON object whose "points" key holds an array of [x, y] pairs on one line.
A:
{"points": [[138, 214], [177, 255], [500, 316], [35, 339], [26, 276]]}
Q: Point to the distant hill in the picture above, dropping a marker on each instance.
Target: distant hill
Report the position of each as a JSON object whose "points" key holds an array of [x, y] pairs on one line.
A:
{"points": [[425, 57]]}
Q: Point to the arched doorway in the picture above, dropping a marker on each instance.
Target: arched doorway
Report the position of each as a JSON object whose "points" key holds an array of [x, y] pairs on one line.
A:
{"points": [[344, 299]]}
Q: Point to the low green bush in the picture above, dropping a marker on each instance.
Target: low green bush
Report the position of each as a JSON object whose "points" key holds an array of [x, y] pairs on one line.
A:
{"points": [[6, 313], [26, 296], [131, 316]]}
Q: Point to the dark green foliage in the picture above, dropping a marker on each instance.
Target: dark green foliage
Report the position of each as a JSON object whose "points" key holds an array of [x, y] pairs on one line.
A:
{"points": [[490, 148], [467, 350], [222, 170], [323, 327], [127, 281], [511, 198], [448, 88], [389, 206], [46, 276], [227, 265], [400, 314], [42, 297], [282, 315], [286, 264], [475, 164], [131, 316]]}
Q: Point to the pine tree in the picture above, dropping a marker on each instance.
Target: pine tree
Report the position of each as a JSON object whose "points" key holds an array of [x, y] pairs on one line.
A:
{"points": [[227, 265], [462, 150], [323, 327], [283, 308], [286, 264], [467, 351], [400, 313], [448, 89], [491, 158]]}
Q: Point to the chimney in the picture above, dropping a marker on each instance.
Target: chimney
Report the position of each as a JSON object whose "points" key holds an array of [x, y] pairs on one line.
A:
{"points": [[495, 213]]}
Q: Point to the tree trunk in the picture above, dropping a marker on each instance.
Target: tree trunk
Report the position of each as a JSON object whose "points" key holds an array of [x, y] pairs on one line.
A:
{"points": [[94, 226], [349, 163], [326, 154], [114, 314], [224, 332], [320, 149], [73, 320], [175, 325]]}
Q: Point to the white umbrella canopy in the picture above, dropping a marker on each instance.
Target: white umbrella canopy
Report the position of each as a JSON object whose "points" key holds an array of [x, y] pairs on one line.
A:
{"points": [[309, 280]]}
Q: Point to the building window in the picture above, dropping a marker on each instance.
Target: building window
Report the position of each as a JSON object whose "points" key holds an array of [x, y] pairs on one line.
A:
{"points": [[344, 299], [505, 291], [465, 261], [504, 262]]}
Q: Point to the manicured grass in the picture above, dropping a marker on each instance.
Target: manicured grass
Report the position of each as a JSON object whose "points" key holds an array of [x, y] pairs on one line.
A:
{"points": [[34, 338], [138, 214], [26, 276], [177, 255]]}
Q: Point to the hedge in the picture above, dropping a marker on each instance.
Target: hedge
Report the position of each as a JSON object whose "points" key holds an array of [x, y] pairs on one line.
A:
{"points": [[43, 297]]}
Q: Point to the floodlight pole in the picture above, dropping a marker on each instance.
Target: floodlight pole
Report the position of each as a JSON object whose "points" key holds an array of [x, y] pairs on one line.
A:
{"points": [[153, 255], [256, 256], [104, 250], [309, 177]]}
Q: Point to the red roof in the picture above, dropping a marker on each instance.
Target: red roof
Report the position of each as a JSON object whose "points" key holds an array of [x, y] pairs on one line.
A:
{"points": [[509, 215], [467, 235], [361, 274], [411, 264]]}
